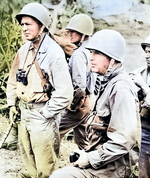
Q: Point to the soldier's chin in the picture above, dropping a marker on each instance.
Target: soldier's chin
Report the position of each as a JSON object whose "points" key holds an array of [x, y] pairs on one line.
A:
{"points": [[98, 71], [95, 70]]}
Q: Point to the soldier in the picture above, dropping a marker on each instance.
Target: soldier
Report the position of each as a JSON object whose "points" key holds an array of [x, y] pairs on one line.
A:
{"points": [[37, 80], [118, 128], [141, 77], [80, 28]]}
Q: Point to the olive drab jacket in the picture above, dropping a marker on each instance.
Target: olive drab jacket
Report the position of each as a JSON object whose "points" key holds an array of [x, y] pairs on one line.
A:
{"points": [[118, 108], [52, 61]]}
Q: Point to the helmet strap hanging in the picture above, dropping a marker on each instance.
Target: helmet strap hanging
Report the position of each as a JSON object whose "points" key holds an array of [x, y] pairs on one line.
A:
{"points": [[82, 39]]}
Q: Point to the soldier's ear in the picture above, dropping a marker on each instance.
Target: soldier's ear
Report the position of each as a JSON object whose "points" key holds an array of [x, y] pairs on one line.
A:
{"points": [[112, 61], [42, 28]]}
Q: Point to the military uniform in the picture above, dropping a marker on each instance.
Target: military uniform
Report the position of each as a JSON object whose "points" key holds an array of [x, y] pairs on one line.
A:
{"points": [[113, 154], [79, 66], [40, 116], [116, 128], [80, 29], [144, 171]]}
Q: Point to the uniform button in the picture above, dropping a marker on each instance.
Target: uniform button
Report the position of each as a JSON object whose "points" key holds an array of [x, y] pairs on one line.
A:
{"points": [[22, 93]]}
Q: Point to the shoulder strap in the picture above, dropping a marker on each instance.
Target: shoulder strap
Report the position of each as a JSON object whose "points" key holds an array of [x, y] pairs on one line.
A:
{"points": [[44, 80], [35, 57], [23, 51], [96, 101], [38, 69]]}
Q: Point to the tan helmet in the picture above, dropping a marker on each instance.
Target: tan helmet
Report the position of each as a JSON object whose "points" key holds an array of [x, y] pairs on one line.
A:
{"points": [[109, 42], [146, 42], [81, 23], [37, 11]]}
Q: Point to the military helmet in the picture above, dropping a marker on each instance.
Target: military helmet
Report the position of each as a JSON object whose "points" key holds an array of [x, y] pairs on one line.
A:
{"points": [[146, 43], [109, 42], [37, 11], [81, 23]]}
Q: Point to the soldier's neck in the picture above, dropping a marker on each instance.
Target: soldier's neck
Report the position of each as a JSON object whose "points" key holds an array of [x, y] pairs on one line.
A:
{"points": [[36, 42]]}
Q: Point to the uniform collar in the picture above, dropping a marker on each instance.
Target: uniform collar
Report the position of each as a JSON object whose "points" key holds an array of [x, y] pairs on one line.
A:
{"points": [[42, 48]]}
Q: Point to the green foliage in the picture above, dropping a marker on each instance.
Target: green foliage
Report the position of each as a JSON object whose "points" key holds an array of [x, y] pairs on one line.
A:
{"points": [[10, 41], [16, 5]]}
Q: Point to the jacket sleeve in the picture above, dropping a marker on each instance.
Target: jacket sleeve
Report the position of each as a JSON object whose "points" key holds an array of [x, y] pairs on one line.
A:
{"points": [[11, 83], [62, 95], [79, 67], [123, 130]]}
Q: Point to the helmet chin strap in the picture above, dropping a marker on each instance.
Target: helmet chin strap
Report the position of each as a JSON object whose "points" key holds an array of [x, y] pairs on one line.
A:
{"points": [[79, 43], [82, 39]]}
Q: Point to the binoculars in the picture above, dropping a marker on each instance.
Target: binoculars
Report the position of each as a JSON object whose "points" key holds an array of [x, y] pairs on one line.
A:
{"points": [[21, 77]]}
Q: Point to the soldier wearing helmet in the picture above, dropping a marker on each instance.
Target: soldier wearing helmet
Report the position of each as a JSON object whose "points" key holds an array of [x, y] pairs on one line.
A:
{"points": [[37, 80], [117, 128], [80, 29], [141, 78]]}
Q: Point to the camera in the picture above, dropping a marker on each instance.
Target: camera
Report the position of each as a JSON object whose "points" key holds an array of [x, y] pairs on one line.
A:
{"points": [[74, 157], [21, 77]]}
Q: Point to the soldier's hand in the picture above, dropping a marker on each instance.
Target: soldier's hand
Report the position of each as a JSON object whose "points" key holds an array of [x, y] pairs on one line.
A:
{"points": [[82, 100], [13, 114], [146, 103], [78, 100], [83, 160], [138, 80]]}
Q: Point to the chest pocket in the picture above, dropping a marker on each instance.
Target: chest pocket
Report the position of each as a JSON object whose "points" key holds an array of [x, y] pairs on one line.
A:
{"points": [[96, 130], [103, 109], [34, 80]]}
